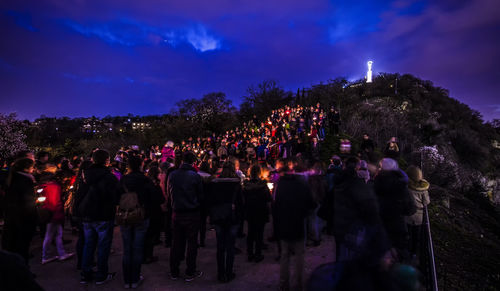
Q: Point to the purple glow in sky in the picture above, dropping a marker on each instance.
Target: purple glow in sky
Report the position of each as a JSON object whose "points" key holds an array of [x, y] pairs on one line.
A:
{"points": [[114, 57]]}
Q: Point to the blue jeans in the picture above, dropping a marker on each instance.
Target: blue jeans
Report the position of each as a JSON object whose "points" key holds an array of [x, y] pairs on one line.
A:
{"points": [[226, 239], [133, 250], [314, 225], [97, 234]]}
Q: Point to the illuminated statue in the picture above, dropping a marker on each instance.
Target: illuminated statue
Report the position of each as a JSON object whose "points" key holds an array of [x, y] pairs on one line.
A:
{"points": [[369, 73]]}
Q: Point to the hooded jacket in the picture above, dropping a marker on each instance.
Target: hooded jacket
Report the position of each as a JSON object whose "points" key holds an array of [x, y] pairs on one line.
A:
{"points": [[419, 191]]}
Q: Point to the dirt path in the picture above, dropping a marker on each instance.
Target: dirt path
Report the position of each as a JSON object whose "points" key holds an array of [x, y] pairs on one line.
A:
{"points": [[59, 276]]}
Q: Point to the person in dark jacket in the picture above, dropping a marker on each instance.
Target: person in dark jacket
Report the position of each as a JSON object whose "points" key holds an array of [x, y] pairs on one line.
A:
{"points": [[257, 198], [185, 189], [358, 228], [156, 216], [326, 212], [97, 208], [133, 235], [367, 147], [225, 202], [75, 214], [293, 203], [396, 202], [317, 183], [20, 211]]}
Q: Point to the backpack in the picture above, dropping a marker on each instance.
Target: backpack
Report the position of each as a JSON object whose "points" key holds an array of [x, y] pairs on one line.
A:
{"points": [[129, 211]]}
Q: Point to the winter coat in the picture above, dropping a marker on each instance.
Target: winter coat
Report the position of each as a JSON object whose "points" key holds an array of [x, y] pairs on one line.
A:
{"points": [[257, 196], [20, 201], [395, 203], [293, 203], [149, 195], [357, 222], [419, 192], [53, 201], [185, 189], [225, 201], [20, 211], [355, 204], [96, 195]]}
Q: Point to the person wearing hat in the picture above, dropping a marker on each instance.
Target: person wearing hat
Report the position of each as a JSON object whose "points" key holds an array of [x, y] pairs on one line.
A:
{"points": [[418, 188]]}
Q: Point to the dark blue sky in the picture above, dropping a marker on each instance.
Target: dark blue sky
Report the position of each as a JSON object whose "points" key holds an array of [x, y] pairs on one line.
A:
{"points": [[82, 58]]}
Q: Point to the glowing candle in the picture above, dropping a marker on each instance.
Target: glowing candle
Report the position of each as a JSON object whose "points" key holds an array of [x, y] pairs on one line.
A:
{"points": [[270, 186]]}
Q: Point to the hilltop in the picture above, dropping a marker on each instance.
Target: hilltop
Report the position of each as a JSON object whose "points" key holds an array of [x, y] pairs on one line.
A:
{"points": [[458, 152]]}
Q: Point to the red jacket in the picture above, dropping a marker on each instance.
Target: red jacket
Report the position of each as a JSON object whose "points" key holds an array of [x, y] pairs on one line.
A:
{"points": [[53, 202]]}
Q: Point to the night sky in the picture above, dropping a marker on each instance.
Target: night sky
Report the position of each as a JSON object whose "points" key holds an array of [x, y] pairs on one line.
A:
{"points": [[114, 57]]}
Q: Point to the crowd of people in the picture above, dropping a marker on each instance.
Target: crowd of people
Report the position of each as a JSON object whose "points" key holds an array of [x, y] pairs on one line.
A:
{"points": [[266, 172]]}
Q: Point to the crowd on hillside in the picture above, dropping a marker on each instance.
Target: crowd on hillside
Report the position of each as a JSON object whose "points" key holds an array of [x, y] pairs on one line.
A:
{"points": [[266, 173]]}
